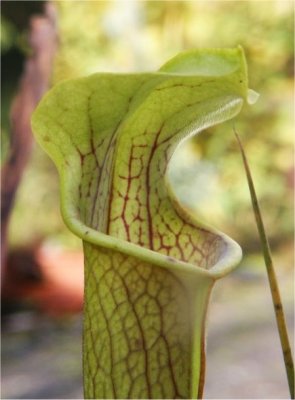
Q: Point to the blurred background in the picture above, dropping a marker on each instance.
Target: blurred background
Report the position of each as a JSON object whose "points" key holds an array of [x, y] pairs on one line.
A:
{"points": [[42, 290]]}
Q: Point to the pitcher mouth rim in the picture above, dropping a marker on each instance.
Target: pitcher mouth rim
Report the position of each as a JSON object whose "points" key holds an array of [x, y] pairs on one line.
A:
{"points": [[228, 260]]}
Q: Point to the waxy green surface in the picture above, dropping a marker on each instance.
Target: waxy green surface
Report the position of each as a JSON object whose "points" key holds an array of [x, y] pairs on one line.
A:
{"points": [[149, 265]]}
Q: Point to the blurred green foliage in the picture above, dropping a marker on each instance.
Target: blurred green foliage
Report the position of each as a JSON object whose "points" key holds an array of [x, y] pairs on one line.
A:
{"points": [[208, 173]]}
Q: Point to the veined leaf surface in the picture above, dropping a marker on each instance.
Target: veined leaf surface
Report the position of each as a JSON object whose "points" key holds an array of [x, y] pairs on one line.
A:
{"points": [[149, 265]]}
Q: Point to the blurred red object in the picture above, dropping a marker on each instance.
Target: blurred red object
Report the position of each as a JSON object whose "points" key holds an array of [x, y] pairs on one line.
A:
{"points": [[50, 280]]}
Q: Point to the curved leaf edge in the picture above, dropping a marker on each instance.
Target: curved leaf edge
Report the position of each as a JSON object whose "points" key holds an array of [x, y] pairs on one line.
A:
{"points": [[227, 262]]}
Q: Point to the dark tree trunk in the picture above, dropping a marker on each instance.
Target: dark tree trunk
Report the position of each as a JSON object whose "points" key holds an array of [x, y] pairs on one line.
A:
{"points": [[34, 82]]}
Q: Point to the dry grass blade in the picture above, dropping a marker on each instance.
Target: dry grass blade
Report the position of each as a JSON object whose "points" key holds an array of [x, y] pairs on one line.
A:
{"points": [[278, 307]]}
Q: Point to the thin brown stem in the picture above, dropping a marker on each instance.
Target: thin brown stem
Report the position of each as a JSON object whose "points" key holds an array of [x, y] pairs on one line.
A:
{"points": [[274, 288]]}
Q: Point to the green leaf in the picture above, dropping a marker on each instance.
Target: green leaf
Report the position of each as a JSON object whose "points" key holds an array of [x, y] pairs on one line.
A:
{"points": [[149, 265]]}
